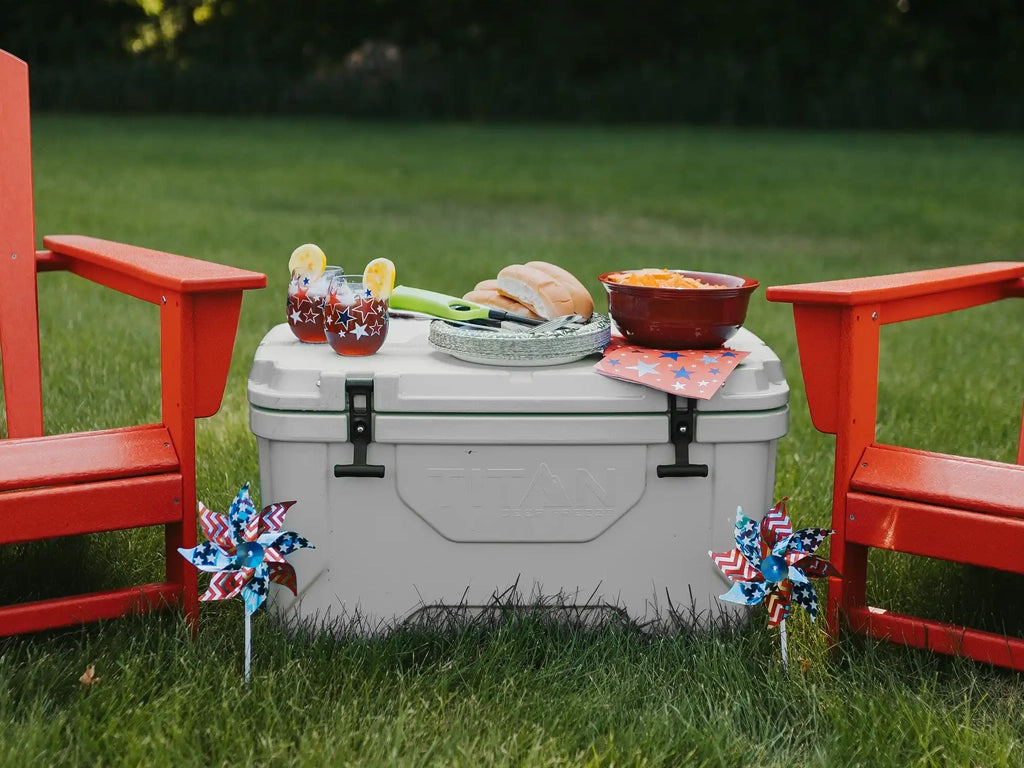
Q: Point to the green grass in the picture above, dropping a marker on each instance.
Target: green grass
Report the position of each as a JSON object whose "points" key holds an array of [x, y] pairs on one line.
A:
{"points": [[450, 204]]}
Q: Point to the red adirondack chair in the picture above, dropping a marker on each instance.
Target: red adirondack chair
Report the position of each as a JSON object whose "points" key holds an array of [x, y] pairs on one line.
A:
{"points": [[89, 482], [896, 498]]}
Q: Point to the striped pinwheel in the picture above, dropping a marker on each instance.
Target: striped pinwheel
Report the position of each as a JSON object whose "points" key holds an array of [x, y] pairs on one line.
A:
{"points": [[245, 551], [772, 563]]}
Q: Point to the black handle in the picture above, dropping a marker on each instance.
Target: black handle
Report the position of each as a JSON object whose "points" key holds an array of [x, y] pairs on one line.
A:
{"points": [[359, 470], [682, 470]]}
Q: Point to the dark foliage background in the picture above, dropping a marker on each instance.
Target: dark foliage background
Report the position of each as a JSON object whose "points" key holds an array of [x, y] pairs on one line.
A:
{"points": [[873, 63]]}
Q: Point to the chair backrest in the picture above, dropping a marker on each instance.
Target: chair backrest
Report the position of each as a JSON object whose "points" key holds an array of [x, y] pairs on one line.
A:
{"points": [[19, 319]]}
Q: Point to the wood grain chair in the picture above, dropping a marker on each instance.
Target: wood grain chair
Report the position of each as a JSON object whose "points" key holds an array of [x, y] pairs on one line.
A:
{"points": [[899, 499], [61, 485]]}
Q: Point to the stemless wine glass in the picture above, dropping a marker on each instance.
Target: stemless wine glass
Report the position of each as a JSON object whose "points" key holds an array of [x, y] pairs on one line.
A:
{"points": [[355, 321], [306, 297]]}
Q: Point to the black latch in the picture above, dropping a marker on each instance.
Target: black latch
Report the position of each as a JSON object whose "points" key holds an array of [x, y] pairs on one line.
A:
{"points": [[359, 405], [681, 424]]}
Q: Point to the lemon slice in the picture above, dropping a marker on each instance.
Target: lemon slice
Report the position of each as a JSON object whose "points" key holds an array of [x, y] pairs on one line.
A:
{"points": [[379, 277], [307, 260]]}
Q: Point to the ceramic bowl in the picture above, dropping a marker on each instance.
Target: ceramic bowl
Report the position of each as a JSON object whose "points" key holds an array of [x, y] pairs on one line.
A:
{"points": [[679, 318]]}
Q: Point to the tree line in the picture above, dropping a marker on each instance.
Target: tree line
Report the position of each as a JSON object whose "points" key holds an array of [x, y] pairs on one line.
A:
{"points": [[872, 63]]}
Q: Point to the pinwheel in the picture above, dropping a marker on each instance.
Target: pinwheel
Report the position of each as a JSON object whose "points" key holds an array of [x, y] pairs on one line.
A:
{"points": [[245, 551], [774, 564]]}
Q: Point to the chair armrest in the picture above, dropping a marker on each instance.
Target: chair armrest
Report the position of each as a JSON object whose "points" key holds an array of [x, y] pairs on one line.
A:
{"points": [[910, 295], [200, 303], [145, 273], [837, 329]]}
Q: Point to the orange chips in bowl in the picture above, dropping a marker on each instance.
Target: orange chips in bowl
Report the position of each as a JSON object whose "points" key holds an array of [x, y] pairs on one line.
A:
{"points": [[660, 278]]}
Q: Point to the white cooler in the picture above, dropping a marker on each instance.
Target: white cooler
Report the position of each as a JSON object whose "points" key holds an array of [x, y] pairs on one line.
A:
{"points": [[426, 482]]}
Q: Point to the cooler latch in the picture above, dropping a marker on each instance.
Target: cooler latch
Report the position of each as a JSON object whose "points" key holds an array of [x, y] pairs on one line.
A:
{"points": [[359, 405], [681, 425]]}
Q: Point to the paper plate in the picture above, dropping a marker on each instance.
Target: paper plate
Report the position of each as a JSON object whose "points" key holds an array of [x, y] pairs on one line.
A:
{"points": [[521, 348]]}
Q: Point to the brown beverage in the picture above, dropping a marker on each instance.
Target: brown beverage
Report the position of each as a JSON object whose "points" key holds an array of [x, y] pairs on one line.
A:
{"points": [[355, 321]]}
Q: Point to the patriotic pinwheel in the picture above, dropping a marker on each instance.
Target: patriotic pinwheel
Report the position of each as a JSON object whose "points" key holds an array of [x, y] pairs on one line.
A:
{"points": [[774, 564], [245, 551]]}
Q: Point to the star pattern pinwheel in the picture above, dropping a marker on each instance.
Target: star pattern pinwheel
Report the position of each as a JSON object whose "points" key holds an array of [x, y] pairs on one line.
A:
{"points": [[245, 550], [774, 564]]}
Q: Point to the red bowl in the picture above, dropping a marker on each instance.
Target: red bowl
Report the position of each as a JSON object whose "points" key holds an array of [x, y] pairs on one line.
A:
{"points": [[679, 318]]}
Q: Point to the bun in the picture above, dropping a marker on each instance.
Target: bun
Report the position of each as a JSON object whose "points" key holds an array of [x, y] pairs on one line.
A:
{"points": [[582, 301], [538, 290], [491, 298], [486, 285]]}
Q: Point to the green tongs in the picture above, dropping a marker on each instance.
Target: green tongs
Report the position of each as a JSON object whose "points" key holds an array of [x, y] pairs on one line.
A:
{"points": [[451, 307]]}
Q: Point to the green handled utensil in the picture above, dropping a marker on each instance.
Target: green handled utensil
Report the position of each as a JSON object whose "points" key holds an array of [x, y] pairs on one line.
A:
{"points": [[450, 307]]}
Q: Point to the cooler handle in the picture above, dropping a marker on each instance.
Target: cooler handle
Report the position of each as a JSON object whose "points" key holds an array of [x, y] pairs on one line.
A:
{"points": [[359, 470], [682, 470]]}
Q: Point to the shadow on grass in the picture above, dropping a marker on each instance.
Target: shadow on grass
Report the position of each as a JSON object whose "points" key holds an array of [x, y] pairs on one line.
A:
{"points": [[563, 612]]}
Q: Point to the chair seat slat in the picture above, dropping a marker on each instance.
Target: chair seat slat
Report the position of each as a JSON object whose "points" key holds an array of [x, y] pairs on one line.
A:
{"points": [[86, 457], [977, 485]]}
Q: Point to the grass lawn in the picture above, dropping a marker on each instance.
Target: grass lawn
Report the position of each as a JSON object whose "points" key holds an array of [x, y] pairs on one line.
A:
{"points": [[450, 205]]}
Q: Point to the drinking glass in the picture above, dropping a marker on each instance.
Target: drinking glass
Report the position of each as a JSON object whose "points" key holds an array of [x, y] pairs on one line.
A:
{"points": [[355, 321], [306, 297]]}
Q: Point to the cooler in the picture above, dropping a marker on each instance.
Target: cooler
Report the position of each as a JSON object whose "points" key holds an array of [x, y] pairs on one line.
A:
{"points": [[427, 482]]}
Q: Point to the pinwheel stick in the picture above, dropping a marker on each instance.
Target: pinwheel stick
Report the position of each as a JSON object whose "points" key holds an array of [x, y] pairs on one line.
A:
{"points": [[782, 641], [249, 644]]}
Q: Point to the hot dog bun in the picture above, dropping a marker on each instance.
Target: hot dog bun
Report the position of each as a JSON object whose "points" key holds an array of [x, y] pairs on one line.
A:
{"points": [[582, 301], [491, 298], [538, 290]]}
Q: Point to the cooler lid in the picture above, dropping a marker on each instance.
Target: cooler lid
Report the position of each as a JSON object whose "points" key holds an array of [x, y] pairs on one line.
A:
{"points": [[410, 376]]}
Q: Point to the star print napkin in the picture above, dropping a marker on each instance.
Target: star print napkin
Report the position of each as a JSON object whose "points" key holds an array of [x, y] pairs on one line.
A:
{"points": [[695, 373]]}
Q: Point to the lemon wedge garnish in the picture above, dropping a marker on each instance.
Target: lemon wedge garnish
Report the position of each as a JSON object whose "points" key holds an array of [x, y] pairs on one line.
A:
{"points": [[307, 260], [379, 277]]}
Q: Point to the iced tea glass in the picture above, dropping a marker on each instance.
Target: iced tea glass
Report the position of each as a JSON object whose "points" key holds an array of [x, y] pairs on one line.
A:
{"points": [[306, 297], [355, 321]]}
